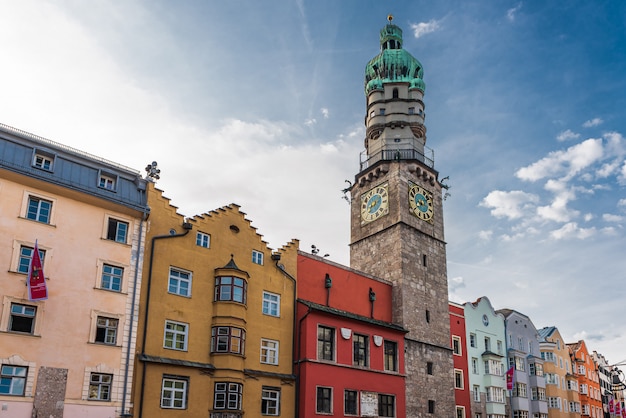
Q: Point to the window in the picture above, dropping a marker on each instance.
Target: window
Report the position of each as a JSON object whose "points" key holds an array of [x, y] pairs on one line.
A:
{"points": [[431, 407], [107, 182], [520, 364], [474, 365], [42, 161], [411, 110], [493, 367], [100, 386], [499, 345], [520, 414], [520, 390], [231, 289], [460, 412], [427, 316], [324, 401], [476, 392], [203, 240], [270, 401], [458, 379], [382, 111], [495, 394], [473, 340], [271, 304], [386, 405], [395, 93], [325, 343], [26, 253], [391, 356], [487, 344], [535, 369], [112, 278], [360, 352], [117, 230], [13, 380], [228, 396], [174, 393], [572, 385], [257, 257], [350, 402], [429, 367], [227, 340], [106, 330], [22, 318], [179, 282], [538, 394], [269, 351], [520, 343], [39, 209], [456, 345], [175, 336]]}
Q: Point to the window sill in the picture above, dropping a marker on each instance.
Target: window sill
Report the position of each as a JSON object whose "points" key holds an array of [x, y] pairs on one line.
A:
{"points": [[99, 344], [23, 334], [38, 222]]}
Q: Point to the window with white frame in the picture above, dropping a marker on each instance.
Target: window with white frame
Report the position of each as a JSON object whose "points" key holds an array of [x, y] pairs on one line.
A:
{"points": [[13, 380], [39, 209], [203, 240], [269, 351], [174, 393], [117, 230], [325, 343], [582, 370], [538, 394], [495, 394], [386, 405], [257, 257], [228, 340], [106, 330], [175, 335], [520, 343], [456, 345], [228, 396], [458, 379], [520, 364], [460, 412], [107, 181], [520, 390], [554, 402], [271, 304], [43, 160], [520, 414], [179, 282], [270, 401], [324, 400], [112, 277], [493, 367], [572, 385], [476, 393], [473, 340], [474, 365], [499, 345], [100, 386], [22, 318], [535, 369], [25, 255], [552, 379], [487, 344]]}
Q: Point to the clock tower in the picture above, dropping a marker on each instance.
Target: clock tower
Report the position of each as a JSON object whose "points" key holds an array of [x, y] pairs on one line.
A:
{"points": [[397, 222]]}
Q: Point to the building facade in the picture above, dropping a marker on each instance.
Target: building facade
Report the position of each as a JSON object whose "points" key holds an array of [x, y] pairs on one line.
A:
{"points": [[217, 319], [350, 356], [397, 222], [561, 383], [70, 354], [487, 359], [458, 342], [584, 367], [528, 396]]}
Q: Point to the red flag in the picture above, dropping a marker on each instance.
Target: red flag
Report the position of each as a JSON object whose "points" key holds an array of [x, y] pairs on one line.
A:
{"points": [[36, 281], [611, 406], [618, 408], [509, 379]]}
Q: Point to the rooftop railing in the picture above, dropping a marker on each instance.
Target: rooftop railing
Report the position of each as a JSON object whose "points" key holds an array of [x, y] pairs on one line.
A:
{"points": [[427, 156]]}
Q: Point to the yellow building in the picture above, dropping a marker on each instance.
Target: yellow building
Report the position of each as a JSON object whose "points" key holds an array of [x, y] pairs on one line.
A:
{"points": [[217, 318], [561, 382], [67, 355]]}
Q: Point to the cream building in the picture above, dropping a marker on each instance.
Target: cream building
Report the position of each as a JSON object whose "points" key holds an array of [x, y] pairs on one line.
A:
{"points": [[69, 355]]}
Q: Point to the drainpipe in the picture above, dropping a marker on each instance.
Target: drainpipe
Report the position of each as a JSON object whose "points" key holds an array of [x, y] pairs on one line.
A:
{"points": [[276, 258], [187, 227], [372, 300], [328, 283], [144, 218]]}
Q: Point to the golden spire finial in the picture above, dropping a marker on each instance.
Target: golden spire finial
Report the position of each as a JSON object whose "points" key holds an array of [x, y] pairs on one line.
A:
{"points": [[390, 18]]}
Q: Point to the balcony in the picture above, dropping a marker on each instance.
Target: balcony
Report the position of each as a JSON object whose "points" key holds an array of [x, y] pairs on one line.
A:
{"points": [[427, 156]]}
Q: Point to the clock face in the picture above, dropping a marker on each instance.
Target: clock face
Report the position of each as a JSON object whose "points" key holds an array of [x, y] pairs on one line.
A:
{"points": [[375, 203], [421, 202]]}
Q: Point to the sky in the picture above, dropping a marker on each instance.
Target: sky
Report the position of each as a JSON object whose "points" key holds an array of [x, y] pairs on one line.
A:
{"points": [[261, 104]]}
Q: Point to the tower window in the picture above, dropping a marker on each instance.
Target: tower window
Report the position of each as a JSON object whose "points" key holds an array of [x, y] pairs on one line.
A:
{"points": [[427, 316], [411, 110], [382, 111], [424, 260], [395, 93], [431, 407], [429, 367]]}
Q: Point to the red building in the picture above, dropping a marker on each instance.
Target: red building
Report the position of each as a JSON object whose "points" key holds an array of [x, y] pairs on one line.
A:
{"points": [[461, 373], [349, 356]]}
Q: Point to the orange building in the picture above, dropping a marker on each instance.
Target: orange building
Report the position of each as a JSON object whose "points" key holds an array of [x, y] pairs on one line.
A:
{"points": [[588, 380]]}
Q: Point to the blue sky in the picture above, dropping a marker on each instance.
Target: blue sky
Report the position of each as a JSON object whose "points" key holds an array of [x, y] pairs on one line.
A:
{"points": [[261, 104]]}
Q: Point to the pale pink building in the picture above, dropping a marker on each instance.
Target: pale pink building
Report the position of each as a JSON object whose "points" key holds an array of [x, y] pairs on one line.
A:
{"points": [[70, 355]]}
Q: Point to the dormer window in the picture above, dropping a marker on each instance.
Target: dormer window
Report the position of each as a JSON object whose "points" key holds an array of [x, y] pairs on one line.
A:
{"points": [[107, 181], [43, 160]]}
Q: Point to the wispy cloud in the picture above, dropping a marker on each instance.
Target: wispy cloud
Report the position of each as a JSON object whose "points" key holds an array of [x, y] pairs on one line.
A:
{"points": [[572, 230], [567, 135], [612, 218], [510, 14], [325, 112], [592, 122], [423, 28]]}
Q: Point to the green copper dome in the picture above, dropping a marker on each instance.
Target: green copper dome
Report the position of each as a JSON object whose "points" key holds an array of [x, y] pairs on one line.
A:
{"points": [[393, 64]]}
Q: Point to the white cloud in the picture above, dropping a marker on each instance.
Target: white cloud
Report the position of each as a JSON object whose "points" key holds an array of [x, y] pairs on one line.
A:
{"points": [[325, 112], [621, 203], [485, 235], [421, 29], [455, 284], [310, 122], [571, 230], [592, 122], [608, 217], [568, 162], [511, 205], [510, 14], [566, 135], [622, 176], [588, 217]]}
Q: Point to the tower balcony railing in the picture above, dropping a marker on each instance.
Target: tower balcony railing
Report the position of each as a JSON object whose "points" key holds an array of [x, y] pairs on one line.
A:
{"points": [[425, 156]]}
